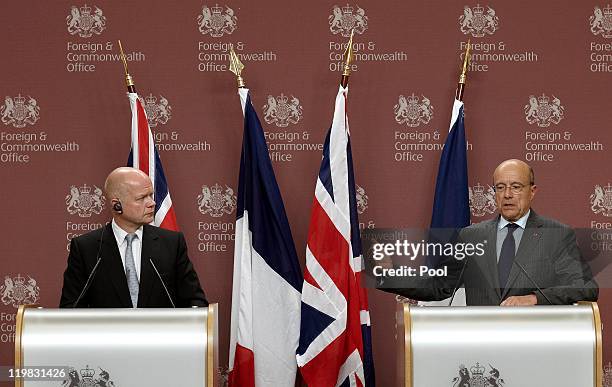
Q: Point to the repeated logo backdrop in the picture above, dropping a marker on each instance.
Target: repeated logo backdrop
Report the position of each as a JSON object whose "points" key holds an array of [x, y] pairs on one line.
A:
{"points": [[538, 89]]}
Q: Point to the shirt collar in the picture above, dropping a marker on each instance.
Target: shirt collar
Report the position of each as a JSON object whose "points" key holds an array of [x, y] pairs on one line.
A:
{"points": [[120, 233], [522, 222]]}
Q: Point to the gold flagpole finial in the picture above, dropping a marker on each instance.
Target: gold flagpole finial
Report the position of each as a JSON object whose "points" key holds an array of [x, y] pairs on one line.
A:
{"points": [[349, 57], [129, 82], [463, 76], [466, 62], [236, 67]]}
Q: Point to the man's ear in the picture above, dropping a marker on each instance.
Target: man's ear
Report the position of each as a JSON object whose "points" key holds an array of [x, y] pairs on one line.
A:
{"points": [[116, 205], [534, 190]]}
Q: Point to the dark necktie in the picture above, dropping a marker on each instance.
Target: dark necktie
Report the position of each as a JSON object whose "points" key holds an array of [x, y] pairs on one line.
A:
{"points": [[506, 256]]}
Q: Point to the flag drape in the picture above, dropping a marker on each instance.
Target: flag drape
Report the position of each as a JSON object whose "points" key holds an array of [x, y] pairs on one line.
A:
{"points": [[144, 156], [335, 337], [267, 278], [451, 208]]}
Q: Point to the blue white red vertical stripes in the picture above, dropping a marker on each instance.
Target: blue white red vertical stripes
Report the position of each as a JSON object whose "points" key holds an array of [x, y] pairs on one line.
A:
{"points": [[267, 280], [335, 336], [451, 208], [144, 156]]}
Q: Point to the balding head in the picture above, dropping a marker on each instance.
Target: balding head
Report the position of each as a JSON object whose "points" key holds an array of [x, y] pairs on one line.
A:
{"points": [[519, 164], [130, 192], [515, 188], [118, 181]]}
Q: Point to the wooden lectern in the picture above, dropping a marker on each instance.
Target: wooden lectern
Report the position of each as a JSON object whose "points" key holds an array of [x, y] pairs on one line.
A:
{"points": [[493, 346], [120, 347]]}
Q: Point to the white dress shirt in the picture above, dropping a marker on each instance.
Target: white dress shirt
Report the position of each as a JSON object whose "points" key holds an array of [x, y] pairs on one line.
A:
{"points": [[120, 235]]}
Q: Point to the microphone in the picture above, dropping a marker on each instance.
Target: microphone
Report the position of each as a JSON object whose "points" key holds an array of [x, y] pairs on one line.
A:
{"points": [[532, 281], [162, 282], [93, 271], [458, 281]]}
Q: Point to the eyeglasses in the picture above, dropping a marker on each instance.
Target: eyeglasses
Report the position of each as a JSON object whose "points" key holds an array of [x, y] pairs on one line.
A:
{"points": [[515, 188]]}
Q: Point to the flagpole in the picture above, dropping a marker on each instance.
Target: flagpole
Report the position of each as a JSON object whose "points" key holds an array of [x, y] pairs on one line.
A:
{"points": [[463, 76], [350, 56], [236, 67], [129, 81]]}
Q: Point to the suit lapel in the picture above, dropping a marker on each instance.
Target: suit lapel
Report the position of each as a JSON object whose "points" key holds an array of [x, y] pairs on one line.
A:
{"points": [[491, 257], [114, 267], [529, 240], [487, 264], [147, 274]]}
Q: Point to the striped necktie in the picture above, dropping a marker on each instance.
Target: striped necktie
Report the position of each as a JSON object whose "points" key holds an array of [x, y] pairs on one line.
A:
{"points": [[506, 256]]}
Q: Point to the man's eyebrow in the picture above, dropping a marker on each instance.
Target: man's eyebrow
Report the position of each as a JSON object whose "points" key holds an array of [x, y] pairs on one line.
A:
{"points": [[512, 182]]}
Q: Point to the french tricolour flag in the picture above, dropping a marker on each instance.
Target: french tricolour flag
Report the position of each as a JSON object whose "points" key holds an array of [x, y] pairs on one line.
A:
{"points": [[335, 338], [144, 156], [267, 278], [451, 208]]}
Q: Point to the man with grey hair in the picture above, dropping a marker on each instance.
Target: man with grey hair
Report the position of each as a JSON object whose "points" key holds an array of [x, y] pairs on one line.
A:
{"points": [[136, 264], [524, 251]]}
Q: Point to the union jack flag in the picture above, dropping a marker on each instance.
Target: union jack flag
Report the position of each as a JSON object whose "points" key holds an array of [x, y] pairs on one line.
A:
{"points": [[335, 337], [147, 160]]}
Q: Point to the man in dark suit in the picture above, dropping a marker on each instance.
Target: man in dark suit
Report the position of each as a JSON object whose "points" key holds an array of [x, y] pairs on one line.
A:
{"points": [[517, 239], [130, 252]]}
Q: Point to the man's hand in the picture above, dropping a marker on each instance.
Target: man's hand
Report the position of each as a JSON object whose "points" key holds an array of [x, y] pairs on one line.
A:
{"points": [[527, 300], [386, 262]]}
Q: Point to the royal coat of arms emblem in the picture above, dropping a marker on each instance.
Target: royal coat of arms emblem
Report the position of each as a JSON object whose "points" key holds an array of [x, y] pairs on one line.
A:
{"points": [[84, 23], [83, 202], [17, 291], [412, 112], [476, 22], [362, 199], [543, 112], [87, 378], [601, 200], [344, 20], [216, 202], [216, 22], [157, 113], [482, 200], [282, 112], [476, 376], [601, 22], [18, 113], [607, 376]]}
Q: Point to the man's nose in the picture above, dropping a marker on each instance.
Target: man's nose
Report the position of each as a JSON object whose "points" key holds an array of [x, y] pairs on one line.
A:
{"points": [[508, 193]]}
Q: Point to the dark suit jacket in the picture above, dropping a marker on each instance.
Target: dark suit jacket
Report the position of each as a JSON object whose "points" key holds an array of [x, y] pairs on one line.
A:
{"points": [[547, 251], [109, 288]]}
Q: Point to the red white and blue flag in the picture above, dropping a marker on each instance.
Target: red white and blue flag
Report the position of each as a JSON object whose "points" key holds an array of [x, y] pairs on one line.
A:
{"points": [[451, 207], [144, 156], [335, 336], [267, 282]]}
